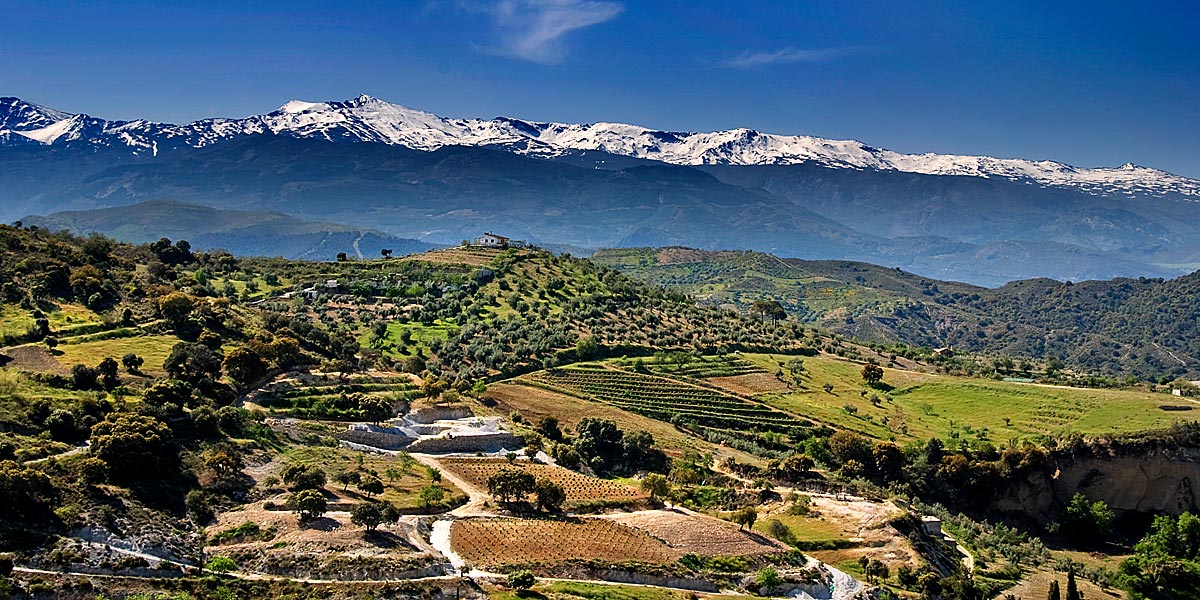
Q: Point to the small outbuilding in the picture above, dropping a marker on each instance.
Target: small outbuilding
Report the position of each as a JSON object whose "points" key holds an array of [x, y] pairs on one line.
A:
{"points": [[931, 526]]}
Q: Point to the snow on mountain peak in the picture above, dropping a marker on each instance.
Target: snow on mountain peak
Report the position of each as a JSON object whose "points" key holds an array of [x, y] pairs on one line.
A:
{"points": [[299, 106], [368, 119], [18, 115]]}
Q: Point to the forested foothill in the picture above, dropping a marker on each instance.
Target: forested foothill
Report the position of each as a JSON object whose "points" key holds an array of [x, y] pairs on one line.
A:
{"points": [[196, 404]]}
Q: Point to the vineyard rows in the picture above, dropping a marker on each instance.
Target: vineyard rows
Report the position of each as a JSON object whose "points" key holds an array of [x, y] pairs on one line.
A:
{"points": [[494, 542], [577, 486], [703, 368], [665, 399]]}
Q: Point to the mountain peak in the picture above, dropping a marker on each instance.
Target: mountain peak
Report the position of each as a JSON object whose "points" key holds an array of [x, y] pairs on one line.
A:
{"points": [[20, 115], [368, 119], [299, 106]]}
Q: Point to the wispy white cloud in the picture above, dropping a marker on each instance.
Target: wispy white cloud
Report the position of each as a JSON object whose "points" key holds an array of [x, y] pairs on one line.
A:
{"points": [[749, 60], [535, 30]]}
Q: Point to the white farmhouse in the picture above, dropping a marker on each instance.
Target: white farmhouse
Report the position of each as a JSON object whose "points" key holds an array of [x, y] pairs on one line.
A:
{"points": [[492, 240]]}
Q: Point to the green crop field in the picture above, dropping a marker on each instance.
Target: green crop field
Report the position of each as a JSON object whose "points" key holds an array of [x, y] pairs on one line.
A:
{"points": [[921, 405], [804, 529], [64, 319], [153, 348], [421, 335]]}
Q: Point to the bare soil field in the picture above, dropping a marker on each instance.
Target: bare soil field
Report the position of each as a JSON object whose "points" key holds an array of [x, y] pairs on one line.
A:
{"points": [[578, 487], [494, 542], [32, 357], [478, 257], [699, 534], [327, 547], [750, 383], [862, 522]]}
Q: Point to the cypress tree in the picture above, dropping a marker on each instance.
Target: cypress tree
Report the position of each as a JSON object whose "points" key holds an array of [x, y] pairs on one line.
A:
{"points": [[1053, 594], [1072, 589]]}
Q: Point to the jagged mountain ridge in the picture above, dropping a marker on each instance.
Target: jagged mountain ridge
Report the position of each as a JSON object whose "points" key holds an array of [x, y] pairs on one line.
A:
{"points": [[367, 119]]}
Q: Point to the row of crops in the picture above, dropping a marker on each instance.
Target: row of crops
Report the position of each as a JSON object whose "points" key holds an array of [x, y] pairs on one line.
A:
{"points": [[578, 487], [493, 542], [669, 400], [702, 367]]}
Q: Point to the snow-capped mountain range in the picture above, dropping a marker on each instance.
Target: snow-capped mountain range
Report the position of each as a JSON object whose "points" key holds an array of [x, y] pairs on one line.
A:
{"points": [[367, 119]]}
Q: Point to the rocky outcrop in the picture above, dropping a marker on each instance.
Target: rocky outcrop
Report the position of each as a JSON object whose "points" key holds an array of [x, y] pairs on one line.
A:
{"points": [[438, 412], [1152, 478]]}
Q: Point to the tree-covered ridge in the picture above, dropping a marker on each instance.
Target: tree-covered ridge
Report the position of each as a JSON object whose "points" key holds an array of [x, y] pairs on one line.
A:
{"points": [[1146, 327], [523, 310]]}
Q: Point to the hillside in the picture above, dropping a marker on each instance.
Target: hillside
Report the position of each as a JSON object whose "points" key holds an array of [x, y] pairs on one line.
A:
{"points": [[268, 422], [1145, 327], [242, 232]]}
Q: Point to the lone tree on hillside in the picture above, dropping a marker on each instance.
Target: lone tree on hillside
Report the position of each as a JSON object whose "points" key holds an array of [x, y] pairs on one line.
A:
{"points": [[768, 310], [244, 365], [746, 517], [370, 485], [511, 485], [550, 495], [656, 484], [133, 363], [373, 514], [872, 374], [430, 495], [375, 409], [521, 580], [346, 478], [308, 504]]}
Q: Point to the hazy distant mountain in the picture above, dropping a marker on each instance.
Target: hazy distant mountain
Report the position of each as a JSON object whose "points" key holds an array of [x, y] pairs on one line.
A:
{"points": [[1120, 326], [371, 164], [250, 233]]}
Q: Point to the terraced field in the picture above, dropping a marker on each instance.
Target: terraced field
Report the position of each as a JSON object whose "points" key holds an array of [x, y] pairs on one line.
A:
{"points": [[458, 256], [699, 534], [496, 542], [331, 397], [65, 319], [669, 400], [579, 487], [704, 367]]}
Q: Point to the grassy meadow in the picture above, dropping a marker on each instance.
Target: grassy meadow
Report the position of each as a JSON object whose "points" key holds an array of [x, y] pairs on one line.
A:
{"points": [[912, 405]]}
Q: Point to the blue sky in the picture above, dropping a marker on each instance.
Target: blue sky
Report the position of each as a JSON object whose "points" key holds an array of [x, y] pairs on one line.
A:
{"points": [[1089, 83]]}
